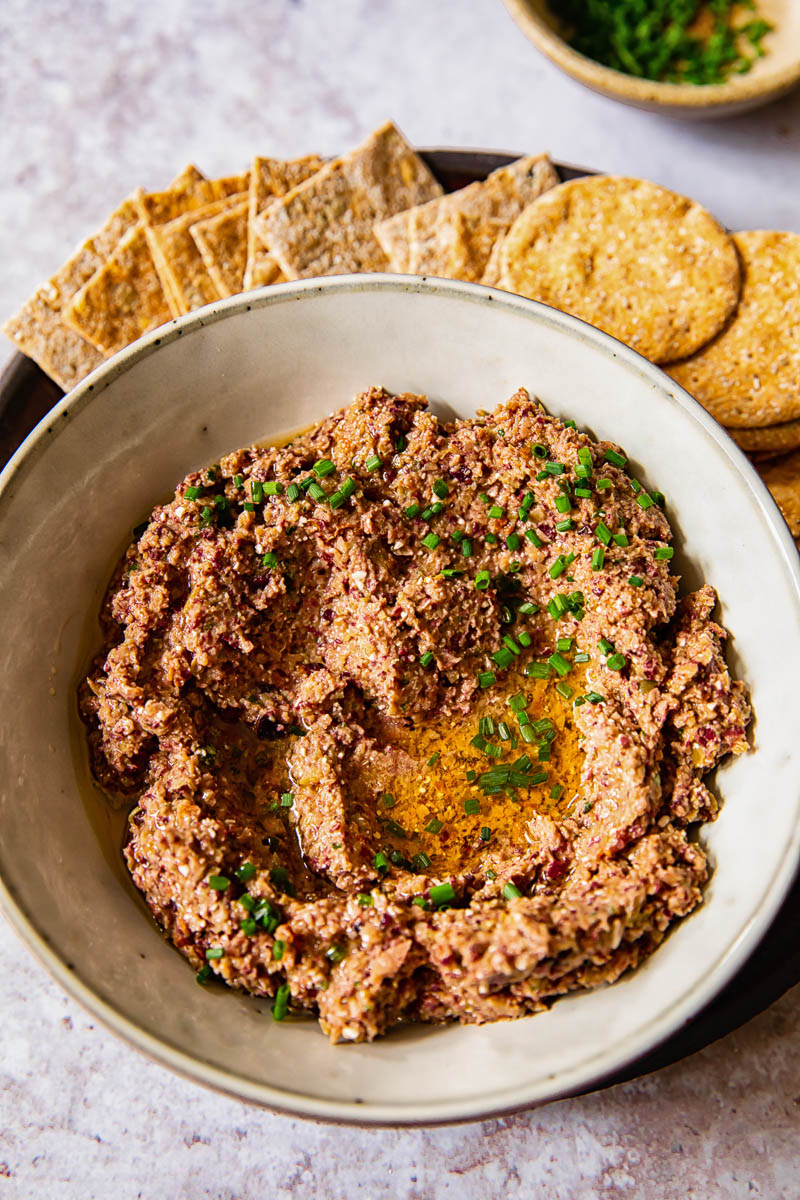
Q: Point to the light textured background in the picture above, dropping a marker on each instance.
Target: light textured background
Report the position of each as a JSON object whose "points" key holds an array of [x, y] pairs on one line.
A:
{"points": [[98, 98]]}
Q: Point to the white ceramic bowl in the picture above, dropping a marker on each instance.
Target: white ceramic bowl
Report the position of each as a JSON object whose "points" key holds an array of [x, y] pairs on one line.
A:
{"points": [[264, 363]]}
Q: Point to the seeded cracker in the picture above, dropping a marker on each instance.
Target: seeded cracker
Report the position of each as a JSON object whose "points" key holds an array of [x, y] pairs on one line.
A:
{"points": [[750, 374], [454, 235], [178, 253], [782, 477], [123, 300], [38, 329], [271, 178], [645, 264], [222, 242], [771, 439], [325, 226]]}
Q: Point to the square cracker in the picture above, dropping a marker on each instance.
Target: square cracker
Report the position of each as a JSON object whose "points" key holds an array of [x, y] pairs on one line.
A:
{"points": [[456, 235], [190, 190], [222, 243], [121, 301], [177, 255], [325, 226], [38, 329], [271, 178]]}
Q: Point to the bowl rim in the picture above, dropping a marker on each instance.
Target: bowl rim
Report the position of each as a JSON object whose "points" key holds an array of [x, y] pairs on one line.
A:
{"points": [[604, 1063], [675, 96]]}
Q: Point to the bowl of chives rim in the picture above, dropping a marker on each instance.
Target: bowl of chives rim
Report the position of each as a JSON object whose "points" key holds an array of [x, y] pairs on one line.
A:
{"points": [[252, 368], [754, 68]]}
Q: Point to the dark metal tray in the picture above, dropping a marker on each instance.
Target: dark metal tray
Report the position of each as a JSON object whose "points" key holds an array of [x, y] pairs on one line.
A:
{"points": [[27, 394]]}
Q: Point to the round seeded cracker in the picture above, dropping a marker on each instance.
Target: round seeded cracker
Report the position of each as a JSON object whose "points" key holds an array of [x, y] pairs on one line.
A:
{"points": [[750, 374], [769, 439], [782, 477], [645, 264]]}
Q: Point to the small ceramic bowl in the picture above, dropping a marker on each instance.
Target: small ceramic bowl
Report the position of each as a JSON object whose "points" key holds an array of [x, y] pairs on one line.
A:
{"points": [[269, 362], [770, 77]]}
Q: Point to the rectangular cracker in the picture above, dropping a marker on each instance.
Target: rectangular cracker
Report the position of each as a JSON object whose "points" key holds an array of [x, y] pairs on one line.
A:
{"points": [[178, 256], [271, 178], [191, 190], [455, 235], [222, 243], [38, 329], [121, 301], [325, 226]]}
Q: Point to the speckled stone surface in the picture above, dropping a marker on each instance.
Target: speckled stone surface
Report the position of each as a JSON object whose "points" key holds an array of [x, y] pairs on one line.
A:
{"points": [[99, 99]]}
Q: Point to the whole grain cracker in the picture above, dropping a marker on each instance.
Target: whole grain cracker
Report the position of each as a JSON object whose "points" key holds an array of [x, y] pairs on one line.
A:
{"points": [[178, 256], [325, 226], [38, 329], [271, 178], [222, 242], [750, 374], [121, 301], [782, 477], [454, 235], [770, 439], [190, 190], [646, 265]]}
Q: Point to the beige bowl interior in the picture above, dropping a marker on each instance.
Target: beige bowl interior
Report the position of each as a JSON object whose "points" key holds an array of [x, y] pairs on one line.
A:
{"points": [[258, 365]]}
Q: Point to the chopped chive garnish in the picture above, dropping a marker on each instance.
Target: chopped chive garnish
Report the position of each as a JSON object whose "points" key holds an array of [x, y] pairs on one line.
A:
{"points": [[248, 507], [270, 559], [245, 871], [584, 493], [472, 806], [434, 826], [539, 450], [524, 638], [594, 697], [659, 498], [323, 467], [487, 678], [421, 861], [538, 670], [598, 557], [364, 899], [278, 947], [256, 491], [215, 952], [635, 580], [664, 553], [564, 644], [193, 493], [336, 500], [486, 726], [482, 580], [451, 573], [606, 646], [563, 503], [603, 533], [431, 540], [558, 567], [440, 488], [564, 690], [381, 862], [527, 734], [585, 456], [470, 776], [426, 659], [616, 662], [503, 657], [293, 493], [317, 493], [618, 460], [247, 901], [528, 607], [441, 894], [348, 487], [458, 535], [582, 658], [388, 800], [570, 424], [544, 749], [273, 488], [513, 542], [504, 733], [563, 526], [306, 483], [637, 487], [534, 539], [486, 499], [492, 539], [644, 501], [218, 882], [517, 703], [603, 485], [434, 758], [486, 833], [281, 1005], [496, 511], [466, 548], [554, 468], [511, 644], [511, 891], [287, 799], [373, 462], [621, 539], [556, 791], [206, 514], [559, 663], [413, 510]]}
